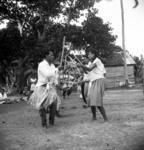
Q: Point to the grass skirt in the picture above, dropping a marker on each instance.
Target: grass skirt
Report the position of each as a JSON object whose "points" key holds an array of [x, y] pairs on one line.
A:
{"points": [[43, 97]]}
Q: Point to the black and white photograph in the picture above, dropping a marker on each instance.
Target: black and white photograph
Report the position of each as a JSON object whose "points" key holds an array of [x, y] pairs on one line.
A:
{"points": [[71, 74]]}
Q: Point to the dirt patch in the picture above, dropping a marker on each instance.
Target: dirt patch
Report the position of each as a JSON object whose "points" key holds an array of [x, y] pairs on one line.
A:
{"points": [[20, 126]]}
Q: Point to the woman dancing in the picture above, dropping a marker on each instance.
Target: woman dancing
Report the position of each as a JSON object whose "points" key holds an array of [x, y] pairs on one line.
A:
{"points": [[45, 97], [96, 75]]}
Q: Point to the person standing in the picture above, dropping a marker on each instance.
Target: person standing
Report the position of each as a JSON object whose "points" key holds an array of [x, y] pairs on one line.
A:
{"points": [[96, 77], [31, 83], [45, 97], [85, 85]]}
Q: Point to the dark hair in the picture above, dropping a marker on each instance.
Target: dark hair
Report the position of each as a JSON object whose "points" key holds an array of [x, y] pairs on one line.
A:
{"points": [[47, 53], [92, 50]]}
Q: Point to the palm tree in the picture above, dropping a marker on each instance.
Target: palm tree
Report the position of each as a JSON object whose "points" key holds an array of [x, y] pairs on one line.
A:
{"points": [[123, 42], [123, 36]]}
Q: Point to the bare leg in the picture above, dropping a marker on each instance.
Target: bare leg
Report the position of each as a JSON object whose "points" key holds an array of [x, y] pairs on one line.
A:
{"points": [[42, 113], [64, 93], [52, 113], [82, 92], [93, 110], [102, 111]]}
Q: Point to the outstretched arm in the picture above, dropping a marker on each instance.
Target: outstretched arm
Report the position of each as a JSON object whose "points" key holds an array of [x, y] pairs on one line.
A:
{"points": [[90, 68]]}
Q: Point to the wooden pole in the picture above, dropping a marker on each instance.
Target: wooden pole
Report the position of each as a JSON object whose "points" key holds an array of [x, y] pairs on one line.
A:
{"points": [[142, 60], [63, 48], [123, 43]]}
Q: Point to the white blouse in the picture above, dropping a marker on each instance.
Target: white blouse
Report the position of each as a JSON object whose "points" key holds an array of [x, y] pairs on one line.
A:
{"points": [[98, 72], [46, 73]]}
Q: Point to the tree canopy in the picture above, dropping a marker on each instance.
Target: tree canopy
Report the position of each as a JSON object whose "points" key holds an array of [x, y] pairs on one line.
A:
{"points": [[32, 29], [37, 31]]}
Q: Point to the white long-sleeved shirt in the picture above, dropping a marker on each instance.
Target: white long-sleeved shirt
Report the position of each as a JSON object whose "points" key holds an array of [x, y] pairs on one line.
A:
{"points": [[98, 72], [46, 73]]}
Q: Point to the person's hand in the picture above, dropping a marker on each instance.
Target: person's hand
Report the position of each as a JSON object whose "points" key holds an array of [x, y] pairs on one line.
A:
{"points": [[60, 67]]}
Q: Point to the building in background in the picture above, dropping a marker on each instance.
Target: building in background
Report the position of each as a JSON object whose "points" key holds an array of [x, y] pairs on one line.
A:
{"points": [[115, 69]]}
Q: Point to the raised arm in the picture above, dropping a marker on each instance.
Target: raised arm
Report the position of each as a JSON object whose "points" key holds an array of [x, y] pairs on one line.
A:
{"points": [[90, 68]]}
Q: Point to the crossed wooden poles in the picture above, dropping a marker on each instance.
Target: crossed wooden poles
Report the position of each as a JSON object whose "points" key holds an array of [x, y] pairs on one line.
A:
{"points": [[70, 68]]}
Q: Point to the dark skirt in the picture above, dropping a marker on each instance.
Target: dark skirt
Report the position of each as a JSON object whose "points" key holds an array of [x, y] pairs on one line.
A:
{"points": [[96, 93]]}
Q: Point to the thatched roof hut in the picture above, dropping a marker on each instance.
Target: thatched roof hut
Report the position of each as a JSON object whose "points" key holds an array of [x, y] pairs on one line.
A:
{"points": [[115, 69]]}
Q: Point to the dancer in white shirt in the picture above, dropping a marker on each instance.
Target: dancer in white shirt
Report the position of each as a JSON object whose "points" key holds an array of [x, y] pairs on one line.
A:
{"points": [[45, 97], [96, 77]]}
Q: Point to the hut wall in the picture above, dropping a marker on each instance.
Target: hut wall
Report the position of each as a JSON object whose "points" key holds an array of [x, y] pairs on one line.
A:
{"points": [[115, 76]]}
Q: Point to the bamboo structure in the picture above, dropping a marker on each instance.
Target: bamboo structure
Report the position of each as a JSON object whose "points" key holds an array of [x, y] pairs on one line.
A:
{"points": [[63, 47], [65, 57]]}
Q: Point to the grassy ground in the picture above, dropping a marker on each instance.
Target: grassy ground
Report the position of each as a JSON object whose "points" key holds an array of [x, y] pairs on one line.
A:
{"points": [[20, 127]]}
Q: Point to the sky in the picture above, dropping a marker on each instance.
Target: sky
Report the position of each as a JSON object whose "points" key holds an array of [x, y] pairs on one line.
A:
{"points": [[134, 23]]}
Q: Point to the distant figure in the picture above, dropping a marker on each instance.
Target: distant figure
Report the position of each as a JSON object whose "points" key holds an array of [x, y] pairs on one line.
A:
{"points": [[3, 94], [32, 80], [67, 89], [85, 85], [67, 92]]}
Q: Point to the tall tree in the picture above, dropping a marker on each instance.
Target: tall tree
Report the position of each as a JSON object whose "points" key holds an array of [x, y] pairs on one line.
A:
{"points": [[123, 37], [98, 34], [10, 40]]}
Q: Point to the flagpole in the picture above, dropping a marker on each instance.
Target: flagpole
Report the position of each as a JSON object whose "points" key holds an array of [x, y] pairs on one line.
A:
{"points": [[123, 43], [63, 48]]}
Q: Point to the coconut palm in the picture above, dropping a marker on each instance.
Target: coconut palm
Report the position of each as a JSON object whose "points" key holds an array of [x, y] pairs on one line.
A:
{"points": [[123, 36]]}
